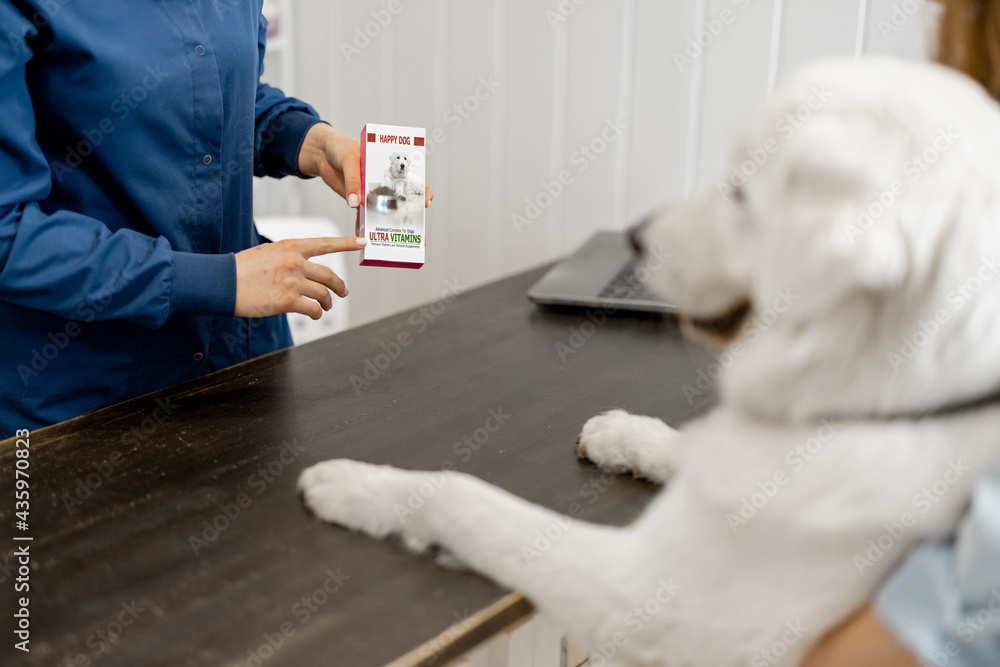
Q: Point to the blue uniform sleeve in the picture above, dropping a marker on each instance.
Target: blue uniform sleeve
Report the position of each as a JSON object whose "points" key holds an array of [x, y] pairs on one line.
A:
{"points": [[281, 124], [63, 261], [944, 601]]}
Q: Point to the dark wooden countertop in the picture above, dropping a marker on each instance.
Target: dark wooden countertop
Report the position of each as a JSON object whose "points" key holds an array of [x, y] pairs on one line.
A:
{"points": [[167, 530]]}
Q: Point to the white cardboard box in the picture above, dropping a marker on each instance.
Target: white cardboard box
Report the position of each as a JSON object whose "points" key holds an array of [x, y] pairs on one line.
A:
{"points": [[393, 172]]}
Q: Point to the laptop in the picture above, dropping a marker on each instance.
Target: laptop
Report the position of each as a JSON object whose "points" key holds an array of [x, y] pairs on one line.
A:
{"points": [[600, 274]]}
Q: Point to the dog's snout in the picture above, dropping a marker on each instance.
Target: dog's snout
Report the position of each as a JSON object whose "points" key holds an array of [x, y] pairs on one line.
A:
{"points": [[635, 234]]}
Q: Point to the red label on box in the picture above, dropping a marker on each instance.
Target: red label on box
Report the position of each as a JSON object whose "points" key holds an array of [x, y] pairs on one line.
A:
{"points": [[418, 141], [371, 137]]}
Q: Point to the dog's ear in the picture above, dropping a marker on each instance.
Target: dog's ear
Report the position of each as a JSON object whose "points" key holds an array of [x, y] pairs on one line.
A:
{"points": [[838, 186]]}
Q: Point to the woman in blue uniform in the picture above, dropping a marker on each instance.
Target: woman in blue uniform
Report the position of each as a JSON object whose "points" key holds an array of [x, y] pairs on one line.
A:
{"points": [[129, 261]]}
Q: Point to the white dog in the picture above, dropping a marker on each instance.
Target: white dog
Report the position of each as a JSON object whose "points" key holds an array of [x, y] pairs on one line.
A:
{"points": [[862, 225], [398, 177]]}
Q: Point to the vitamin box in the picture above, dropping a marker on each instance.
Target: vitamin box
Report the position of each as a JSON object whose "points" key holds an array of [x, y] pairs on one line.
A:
{"points": [[393, 171]]}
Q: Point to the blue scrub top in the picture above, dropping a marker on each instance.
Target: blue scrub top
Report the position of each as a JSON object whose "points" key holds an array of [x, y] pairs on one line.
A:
{"points": [[130, 133]]}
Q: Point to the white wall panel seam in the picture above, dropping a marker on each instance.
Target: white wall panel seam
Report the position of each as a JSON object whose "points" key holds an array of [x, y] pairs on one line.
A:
{"points": [[860, 45], [387, 72], [625, 85], [439, 221], [694, 115], [560, 123], [498, 154], [776, 36]]}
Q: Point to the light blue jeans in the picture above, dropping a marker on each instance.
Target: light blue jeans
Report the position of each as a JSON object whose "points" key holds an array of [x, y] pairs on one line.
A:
{"points": [[944, 600]]}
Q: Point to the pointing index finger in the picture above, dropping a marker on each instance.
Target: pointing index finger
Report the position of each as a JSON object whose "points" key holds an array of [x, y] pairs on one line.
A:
{"points": [[326, 245]]}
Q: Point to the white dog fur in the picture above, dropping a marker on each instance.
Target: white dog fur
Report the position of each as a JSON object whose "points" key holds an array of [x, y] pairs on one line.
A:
{"points": [[398, 176], [816, 395]]}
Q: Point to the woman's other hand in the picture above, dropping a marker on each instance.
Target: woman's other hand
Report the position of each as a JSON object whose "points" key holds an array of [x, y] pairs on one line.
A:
{"points": [[336, 158]]}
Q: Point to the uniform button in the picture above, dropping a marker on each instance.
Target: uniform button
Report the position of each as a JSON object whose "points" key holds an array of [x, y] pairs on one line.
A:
{"points": [[200, 50], [207, 159], [198, 356]]}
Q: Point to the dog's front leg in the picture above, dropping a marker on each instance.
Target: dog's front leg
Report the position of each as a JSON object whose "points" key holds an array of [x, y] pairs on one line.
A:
{"points": [[577, 573]]}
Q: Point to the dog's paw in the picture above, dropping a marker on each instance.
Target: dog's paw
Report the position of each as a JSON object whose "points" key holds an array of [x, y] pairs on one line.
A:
{"points": [[626, 443], [356, 495]]}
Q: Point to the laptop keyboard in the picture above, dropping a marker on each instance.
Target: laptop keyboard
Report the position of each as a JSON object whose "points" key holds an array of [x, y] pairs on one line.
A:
{"points": [[625, 285]]}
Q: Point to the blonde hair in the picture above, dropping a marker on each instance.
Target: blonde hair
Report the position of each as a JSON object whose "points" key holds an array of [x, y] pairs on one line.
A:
{"points": [[970, 40]]}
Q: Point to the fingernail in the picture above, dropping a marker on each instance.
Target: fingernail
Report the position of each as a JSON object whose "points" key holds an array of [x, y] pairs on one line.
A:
{"points": [[361, 241], [352, 200], [346, 291]]}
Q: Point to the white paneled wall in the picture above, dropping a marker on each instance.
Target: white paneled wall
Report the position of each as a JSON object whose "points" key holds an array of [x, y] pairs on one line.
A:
{"points": [[568, 71]]}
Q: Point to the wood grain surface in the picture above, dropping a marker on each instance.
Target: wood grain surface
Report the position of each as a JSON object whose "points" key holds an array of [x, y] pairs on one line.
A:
{"points": [[168, 530]]}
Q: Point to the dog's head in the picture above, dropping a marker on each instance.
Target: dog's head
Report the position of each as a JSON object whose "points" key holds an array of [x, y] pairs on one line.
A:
{"points": [[399, 163], [848, 249]]}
